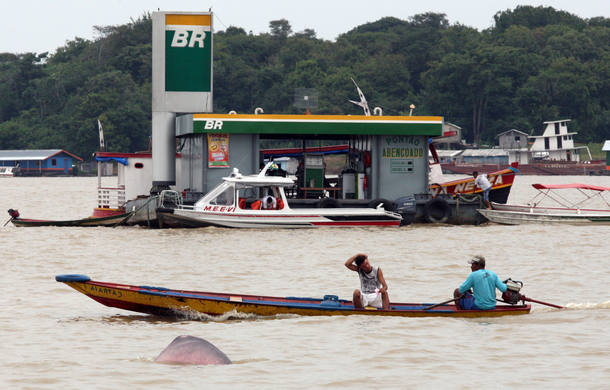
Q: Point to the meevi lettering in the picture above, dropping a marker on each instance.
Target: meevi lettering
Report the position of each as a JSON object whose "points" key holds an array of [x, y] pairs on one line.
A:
{"points": [[190, 36], [221, 209]]}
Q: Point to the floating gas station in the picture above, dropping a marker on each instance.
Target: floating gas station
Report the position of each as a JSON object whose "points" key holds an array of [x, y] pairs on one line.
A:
{"points": [[387, 155]]}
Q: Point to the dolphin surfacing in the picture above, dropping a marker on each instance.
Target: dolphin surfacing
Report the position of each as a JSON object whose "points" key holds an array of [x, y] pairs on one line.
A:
{"points": [[192, 350]]}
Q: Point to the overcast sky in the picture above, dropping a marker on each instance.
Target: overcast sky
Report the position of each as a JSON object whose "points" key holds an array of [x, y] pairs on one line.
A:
{"points": [[43, 25]]}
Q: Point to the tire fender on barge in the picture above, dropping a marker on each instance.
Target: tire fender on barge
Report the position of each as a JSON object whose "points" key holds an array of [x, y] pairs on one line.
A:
{"points": [[437, 210]]}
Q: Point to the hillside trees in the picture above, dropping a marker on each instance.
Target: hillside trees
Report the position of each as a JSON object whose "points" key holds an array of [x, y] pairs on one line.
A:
{"points": [[534, 64]]}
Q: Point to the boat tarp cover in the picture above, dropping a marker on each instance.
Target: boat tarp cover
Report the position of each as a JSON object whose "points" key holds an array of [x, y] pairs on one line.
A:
{"points": [[120, 160], [574, 185]]}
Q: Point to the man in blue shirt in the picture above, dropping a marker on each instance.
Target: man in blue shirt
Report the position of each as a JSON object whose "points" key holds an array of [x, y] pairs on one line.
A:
{"points": [[484, 284]]}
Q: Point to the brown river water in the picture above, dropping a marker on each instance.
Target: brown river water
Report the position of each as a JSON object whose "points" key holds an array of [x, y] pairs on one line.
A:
{"points": [[53, 337]]}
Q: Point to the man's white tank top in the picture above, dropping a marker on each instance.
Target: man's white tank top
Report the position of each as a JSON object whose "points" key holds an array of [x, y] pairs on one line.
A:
{"points": [[369, 281]]}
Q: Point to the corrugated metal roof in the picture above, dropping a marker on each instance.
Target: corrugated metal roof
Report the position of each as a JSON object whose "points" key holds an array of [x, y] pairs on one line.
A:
{"points": [[449, 153], [511, 131], [34, 154], [484, 152], [561, 120]]}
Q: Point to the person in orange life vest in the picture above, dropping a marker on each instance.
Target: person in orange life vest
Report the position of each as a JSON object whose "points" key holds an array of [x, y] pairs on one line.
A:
{"points": [[373, 287]]}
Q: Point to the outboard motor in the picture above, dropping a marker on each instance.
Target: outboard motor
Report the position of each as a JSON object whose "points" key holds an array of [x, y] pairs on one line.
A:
{"points": [[512, 295], [13, 213], [407, 207]]}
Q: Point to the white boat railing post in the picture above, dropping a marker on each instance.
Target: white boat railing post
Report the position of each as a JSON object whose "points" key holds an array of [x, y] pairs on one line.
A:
{"points": [[113, 198]]}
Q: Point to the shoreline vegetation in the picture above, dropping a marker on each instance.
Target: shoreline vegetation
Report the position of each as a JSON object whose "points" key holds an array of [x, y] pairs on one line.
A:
{"points": [[535, 64]]}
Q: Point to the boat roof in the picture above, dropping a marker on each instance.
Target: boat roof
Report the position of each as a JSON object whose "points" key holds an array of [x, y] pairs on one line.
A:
{"points": [[573, 185], [259, 180]]}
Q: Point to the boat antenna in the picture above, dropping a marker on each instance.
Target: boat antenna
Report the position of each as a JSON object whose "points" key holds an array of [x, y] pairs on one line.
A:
{"points": [[269, 165]]}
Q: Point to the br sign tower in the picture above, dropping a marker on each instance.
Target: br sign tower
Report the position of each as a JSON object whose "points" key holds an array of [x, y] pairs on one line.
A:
{"points": [[182, 82]]}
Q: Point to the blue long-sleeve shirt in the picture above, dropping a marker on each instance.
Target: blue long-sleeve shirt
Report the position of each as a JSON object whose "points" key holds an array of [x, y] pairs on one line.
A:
{"points": [[484, 284]]}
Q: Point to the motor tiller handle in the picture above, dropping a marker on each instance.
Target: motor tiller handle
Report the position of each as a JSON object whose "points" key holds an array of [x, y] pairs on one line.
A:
{"points": [[524, 298]]}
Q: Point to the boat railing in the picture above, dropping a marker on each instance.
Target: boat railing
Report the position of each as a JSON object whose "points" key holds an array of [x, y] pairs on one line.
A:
{"points": [[170, 199], [110, 197]]}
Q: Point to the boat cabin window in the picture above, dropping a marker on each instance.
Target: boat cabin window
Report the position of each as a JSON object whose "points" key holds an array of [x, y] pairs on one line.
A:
{"points": [[272, 191], [250, 197], [248, 193], [225, 198]]}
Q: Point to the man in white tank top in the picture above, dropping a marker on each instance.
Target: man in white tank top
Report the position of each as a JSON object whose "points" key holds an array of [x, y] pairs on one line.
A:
{"points": [[373, 288]]}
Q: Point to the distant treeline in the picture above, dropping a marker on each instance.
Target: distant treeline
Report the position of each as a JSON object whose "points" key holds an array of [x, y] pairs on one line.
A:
{"points": [[535, 64]]}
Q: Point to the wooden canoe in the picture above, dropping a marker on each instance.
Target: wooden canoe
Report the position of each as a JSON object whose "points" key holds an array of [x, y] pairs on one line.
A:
{"points": [[167, 302], [111, 220]]}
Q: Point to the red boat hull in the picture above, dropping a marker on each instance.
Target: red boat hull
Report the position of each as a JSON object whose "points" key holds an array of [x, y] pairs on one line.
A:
{"points": [[501, 182]]}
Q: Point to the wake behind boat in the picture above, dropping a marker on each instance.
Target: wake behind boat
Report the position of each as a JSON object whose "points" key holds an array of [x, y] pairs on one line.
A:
{"points": [[549, 205], [168, 302], [240, 202]]}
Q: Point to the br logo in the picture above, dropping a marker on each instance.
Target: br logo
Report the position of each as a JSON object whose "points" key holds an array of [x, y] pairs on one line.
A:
{"points": [[212, 124], [181, 36]]}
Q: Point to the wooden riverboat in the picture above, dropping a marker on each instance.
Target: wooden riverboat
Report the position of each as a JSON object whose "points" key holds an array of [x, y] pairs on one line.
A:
{"points": [[107, 220], [168, 302], [501, 181], [501, 184]]}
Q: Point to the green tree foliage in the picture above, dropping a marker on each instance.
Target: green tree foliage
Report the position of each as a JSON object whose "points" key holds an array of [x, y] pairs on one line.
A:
{"points": [[534, 64], [55, 101]]}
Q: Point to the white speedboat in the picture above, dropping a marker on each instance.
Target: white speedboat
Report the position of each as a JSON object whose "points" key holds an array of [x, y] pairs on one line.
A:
{"points": [[562, 210], [237, 202]]}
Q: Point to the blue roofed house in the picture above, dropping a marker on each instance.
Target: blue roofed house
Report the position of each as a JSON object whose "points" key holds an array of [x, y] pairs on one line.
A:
{"points": [[39, 162]]}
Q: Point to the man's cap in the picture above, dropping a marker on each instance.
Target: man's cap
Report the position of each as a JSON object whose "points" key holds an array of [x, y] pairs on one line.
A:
{"points": [[479, 260]]}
